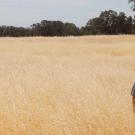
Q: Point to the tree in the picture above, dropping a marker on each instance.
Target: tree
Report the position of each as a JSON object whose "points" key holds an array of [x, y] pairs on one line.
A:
{"points": [[129, 25], [71, 29], [122, 23], [104, 24], [95, 26], [54, 28], [133, 4], [109, 22]]}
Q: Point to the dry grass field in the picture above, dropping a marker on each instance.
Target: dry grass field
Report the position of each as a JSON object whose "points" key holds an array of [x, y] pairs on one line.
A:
{"points": [[67, 86]]}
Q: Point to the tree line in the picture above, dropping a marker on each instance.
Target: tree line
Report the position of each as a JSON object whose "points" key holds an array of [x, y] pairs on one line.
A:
{"points": [[107, 23]]}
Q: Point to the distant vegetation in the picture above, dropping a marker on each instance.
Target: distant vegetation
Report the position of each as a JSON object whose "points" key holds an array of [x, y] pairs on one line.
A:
{"points": [[108, 23]]}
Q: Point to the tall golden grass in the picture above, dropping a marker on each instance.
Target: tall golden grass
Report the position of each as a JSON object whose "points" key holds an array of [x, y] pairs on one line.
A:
{"points": [[67, 86]]}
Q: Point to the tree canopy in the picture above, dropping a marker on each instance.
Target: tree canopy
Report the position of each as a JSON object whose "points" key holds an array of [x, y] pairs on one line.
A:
{"points": [[110, 22], [133, 4]]}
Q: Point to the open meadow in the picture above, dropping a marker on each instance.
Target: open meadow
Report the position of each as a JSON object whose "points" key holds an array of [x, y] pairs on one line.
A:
{"points": [[67, 85]]}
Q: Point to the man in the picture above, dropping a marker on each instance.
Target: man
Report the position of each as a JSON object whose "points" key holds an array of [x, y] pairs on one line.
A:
{"points": [[133, 98]]}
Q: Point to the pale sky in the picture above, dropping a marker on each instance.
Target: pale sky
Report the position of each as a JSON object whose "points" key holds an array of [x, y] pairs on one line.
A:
{"points": [[26, 12]]}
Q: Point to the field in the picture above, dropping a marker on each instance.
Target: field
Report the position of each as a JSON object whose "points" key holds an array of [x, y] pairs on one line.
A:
{"points": [[67, 86]]}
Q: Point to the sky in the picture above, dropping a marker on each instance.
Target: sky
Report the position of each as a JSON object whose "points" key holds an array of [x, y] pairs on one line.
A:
{"points": [[26, 12]]}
